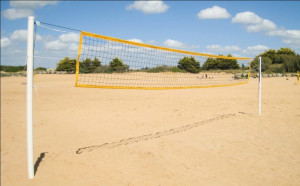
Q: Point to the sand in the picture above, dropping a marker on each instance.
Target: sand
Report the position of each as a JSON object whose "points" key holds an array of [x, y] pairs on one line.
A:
{"points": [[209, 136]]}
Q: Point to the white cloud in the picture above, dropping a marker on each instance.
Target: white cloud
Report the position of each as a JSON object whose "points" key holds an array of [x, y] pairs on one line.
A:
{"points": [[215, 12], [55, 45], [173, 43], [213, 47], [149, 7], [290, 37], [247, 18], [22, 9], [135, 40], [65, 42], [21, 35], [235, 50], [254, 22], [69, 38], [256, 49], [5, 42], [153, 42], [264, 25], [218, 48], [13, 13], [30, 4]]}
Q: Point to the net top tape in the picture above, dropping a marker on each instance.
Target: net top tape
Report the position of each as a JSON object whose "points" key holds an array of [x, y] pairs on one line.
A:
{"points": [[158, 47]]}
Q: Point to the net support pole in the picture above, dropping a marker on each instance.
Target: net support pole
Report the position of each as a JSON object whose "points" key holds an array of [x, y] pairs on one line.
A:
{"points": [[259, 88], [30, 41]]}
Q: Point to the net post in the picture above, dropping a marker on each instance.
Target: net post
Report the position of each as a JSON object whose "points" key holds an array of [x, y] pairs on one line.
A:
{"points": [[259, 88], [30, 42]]}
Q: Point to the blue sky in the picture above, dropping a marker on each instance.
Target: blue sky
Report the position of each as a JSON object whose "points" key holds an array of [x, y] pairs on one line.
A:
{"points": [[216, 27]]}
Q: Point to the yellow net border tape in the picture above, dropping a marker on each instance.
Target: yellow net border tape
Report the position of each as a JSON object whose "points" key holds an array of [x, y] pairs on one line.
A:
{"points": [[161, 88], [158, 47]]}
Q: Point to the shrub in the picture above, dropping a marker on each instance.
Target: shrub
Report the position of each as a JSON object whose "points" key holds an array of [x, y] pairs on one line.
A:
{"points": [[266, 62], [292, 63], [220, 63], [12, 68], [103, 69], [117, 65], [96, 63], [189, 65], [41, 69], [276, 68], [66, 64], [163, 68], [69, 65]]}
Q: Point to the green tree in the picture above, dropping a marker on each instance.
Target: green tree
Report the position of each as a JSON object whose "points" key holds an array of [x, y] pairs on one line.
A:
{"points": [[271, 54], [286, 51], [265, 63], [41, 68], [210, 63], [117, 65], [221, 63], [277, 56], [189, 64], [279, 59], [282, 55], [228, 63], [283, 60], [96, 63], [12, 68], [292, 63], [87, 64], [66, 65]]}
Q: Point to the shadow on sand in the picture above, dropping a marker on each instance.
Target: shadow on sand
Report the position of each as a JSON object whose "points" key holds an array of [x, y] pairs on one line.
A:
{"points": [[38, 161]]}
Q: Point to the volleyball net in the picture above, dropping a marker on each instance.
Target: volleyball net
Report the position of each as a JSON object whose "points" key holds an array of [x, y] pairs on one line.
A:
{"points": [[107, 62]]}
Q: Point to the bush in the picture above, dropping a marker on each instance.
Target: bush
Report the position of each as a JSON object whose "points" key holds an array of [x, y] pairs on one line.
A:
{"points": [[189, 65], [276, 68], [41, 69], [220, 63], [286, 51], [163, 68], [69, 65], [104, 69], [66, 64], [266, 62], [12, 68], [292, 63], [96, 63], [118, 66], [90, 65], [229, 63], [176, 69]]}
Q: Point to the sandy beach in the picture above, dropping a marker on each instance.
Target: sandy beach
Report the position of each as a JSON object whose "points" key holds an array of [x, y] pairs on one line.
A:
{"points": [[205, 136]]}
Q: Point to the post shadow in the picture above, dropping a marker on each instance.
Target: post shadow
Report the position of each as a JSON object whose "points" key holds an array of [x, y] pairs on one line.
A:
{"points": [[38, 161]]}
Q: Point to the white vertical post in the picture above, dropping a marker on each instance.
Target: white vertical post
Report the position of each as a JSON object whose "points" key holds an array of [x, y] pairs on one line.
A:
{"points": [[29, 97], [259, 88]]}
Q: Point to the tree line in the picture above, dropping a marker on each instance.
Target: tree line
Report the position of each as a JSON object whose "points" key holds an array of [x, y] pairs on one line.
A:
{"points": [[273, 61], [6, 68], [186, 64], [278, 61], [91, 66]]}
